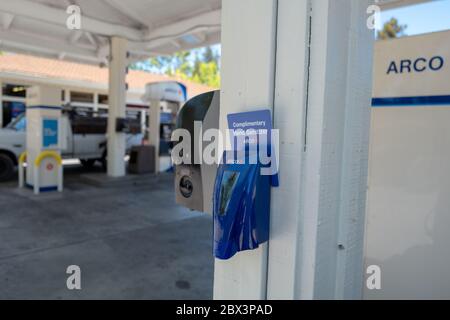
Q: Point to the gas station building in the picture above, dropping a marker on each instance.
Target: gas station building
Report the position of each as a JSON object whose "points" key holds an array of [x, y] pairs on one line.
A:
{"points": [[82, 85]]}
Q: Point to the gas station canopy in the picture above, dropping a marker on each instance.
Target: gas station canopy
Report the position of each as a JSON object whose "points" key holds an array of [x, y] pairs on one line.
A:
{"points": [[392, 4], [152, 27]]}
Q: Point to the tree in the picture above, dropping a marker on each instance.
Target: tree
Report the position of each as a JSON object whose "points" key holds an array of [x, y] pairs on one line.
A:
{"points": [[209, 55], [208, 73], [391, 29], [198, 65]]}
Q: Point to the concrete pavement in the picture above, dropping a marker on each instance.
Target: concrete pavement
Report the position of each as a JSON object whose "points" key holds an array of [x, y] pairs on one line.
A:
{"points": [[131, 242]]}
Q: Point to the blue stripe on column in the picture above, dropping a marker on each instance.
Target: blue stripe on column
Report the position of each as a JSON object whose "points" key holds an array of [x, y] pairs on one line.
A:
{"points": [[411, 101], [43, 189]]}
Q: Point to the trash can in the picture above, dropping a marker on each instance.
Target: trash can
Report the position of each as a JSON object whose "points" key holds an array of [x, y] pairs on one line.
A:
{"points": [[142, 160]]}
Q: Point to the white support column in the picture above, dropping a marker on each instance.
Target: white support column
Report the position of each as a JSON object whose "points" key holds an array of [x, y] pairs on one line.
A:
{"points": [[96, 102], [154, 124], [117, 106], [143, 115], [66, 96], [248, 69], [289, 118], [355, 154], [322, 108]]}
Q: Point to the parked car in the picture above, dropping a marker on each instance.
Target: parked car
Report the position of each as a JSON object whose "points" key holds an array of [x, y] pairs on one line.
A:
{"points": [[86, 141]]}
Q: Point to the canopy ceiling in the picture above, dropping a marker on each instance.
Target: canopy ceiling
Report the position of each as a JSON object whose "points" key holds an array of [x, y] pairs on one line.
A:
{"points": [[392, 4], [153, 27]]}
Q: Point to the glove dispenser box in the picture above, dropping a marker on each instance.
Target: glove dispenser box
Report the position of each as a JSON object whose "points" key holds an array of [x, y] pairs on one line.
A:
{"points": [[241, 207]]}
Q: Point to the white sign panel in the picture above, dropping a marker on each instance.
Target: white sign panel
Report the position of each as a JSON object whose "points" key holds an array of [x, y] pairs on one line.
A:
{"points": [[412, 71], [408, 221]]}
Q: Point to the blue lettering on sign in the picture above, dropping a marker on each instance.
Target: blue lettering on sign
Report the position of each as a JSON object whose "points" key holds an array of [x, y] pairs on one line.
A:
{"points": [[50, 133], [418, 65]]}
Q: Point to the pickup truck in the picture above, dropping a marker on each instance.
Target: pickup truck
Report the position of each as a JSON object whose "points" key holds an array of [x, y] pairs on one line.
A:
{"points": [[86, 141]]}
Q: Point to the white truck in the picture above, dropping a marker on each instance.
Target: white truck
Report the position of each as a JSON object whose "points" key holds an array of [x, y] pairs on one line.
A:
{"points": [[86, 141]]}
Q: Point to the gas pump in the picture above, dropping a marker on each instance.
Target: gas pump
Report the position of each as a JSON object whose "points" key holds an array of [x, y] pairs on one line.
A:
{"points": [[45, 139], [194, 182], [165, 100]]}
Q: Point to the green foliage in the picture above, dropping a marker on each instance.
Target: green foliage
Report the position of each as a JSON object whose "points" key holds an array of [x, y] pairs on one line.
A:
{"points": [[209, 56], [391, 29], [200, 65], [207, 73]]}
